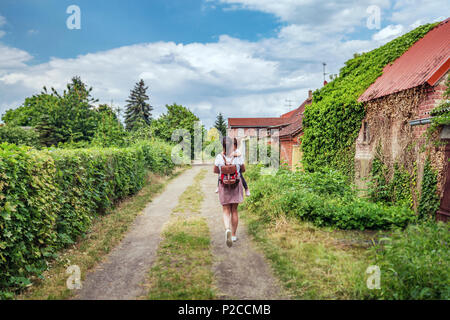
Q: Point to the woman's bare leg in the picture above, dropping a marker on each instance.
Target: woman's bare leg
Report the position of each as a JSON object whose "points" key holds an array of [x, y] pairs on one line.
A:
{"points": [[234, 218], [226, 216]]}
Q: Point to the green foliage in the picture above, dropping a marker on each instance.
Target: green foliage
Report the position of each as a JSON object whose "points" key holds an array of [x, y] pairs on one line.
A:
{"points": [[221, 125], [414, 263], [331, 123], [429, 199], [19, 136], [137, 109], [396, 190], [48, 198], [441, 114], [176, 117], [110, 132], [324, 198], [59, 118]]}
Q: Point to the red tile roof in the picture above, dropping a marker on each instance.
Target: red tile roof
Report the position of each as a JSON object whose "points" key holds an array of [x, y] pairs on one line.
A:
{"points": [[295, 121], [255, 122], [425, 62], [289, 123]]}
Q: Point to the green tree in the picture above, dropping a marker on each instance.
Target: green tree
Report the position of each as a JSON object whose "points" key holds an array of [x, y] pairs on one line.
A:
{"points": [[110, 131], [137, 107], [221, 125]]}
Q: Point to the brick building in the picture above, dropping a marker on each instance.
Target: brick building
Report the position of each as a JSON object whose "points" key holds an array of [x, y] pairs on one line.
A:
{"points": [[288, 126], [398, 109]]}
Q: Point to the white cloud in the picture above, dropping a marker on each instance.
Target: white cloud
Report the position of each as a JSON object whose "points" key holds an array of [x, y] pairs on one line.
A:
{"points": [[389, 32], [232, 76]]}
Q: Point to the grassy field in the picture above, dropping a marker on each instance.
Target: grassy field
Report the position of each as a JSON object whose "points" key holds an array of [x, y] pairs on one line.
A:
{"points": [[183, 266], [105, 234], [312, 262]]}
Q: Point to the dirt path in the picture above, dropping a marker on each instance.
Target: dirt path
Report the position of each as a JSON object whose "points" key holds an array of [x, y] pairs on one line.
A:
{"points": [[241, 272], [121, 275]]}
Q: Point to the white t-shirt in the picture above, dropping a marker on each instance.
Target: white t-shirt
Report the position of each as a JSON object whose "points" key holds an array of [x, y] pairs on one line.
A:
{"points": [[233, 160]]}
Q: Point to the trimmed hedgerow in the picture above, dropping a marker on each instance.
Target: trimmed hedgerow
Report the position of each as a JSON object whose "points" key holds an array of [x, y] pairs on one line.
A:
{"points": [[48, 198], [332, 122], [324, 198]]}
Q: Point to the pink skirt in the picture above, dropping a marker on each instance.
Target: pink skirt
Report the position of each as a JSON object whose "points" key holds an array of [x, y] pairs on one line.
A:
{"points": [[231, 194]]}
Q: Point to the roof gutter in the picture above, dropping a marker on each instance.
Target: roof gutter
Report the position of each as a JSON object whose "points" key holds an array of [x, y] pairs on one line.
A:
{"points": [[419, 122]]}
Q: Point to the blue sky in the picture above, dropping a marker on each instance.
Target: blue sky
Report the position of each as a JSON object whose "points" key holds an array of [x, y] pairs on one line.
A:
{"points": [[239, 57]]}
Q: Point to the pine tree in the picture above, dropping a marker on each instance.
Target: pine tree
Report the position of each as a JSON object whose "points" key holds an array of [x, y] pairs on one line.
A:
{"points": [[137, 108], [221, 125]]}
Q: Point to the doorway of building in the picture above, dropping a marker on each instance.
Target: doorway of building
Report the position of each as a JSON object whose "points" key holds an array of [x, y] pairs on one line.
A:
{"points": [[296, 157], [443, 213]]}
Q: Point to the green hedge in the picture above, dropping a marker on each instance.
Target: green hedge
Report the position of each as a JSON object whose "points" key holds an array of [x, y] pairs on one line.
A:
{"points": [[48, 198], [324, 198]]}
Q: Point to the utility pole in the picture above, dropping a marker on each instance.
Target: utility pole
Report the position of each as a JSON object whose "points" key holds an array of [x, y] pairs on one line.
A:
{"points": [[324, 72]]}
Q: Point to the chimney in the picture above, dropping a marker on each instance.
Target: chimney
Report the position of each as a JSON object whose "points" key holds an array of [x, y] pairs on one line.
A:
{"points": [[310, 95]]}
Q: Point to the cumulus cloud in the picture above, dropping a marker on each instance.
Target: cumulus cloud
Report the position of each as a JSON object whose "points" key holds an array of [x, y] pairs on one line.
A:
{"points": [[232, 76], [389, 32]]}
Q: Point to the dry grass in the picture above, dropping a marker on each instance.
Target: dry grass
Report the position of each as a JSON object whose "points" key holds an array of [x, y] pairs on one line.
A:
{"points": [[106, 232], [312, 262]]}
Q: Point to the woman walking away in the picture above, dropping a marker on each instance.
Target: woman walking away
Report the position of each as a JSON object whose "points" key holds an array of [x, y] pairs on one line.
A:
{"points": [[230, 187]]}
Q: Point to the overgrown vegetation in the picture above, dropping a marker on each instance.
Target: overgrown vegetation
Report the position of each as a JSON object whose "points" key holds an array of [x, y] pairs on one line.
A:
{"points": [[415, 263], [312, 262], [324, 198], [48, 198], [396, 190], [441, 114], [331, 123], [429, 199]]}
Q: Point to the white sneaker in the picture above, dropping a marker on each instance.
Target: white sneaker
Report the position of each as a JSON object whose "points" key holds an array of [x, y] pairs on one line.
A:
{"points": [[234, 238], [217, 190], [228, 238], [247, 193]]}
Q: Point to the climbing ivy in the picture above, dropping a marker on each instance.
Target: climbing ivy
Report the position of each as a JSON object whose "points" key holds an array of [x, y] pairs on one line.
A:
{"points": [[331, 123], [396, 190], [429, 199], [441, 114]]}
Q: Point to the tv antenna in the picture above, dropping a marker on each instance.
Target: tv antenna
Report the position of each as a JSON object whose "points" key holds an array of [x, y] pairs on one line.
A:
{"points": [[288, 103]]}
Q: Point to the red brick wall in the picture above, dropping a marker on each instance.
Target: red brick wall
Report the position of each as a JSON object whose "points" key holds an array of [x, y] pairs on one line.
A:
{"points": [[433, 98]]}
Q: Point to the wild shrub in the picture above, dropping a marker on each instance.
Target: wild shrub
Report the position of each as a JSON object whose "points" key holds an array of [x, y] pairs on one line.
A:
{"points": [[415, 263], [324, 198]]}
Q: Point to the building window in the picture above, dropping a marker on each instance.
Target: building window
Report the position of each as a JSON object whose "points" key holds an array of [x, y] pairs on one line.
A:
{"points": [[366, 133], [240, 132]]}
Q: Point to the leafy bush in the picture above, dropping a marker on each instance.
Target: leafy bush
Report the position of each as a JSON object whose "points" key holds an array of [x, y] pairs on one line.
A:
{"points": [[415, 263], [19, 136], [48, 198], [324, 198], [331, 123], [429, 198]]}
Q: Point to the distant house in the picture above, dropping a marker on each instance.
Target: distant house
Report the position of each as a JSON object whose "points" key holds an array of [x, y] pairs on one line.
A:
{"points": [[289, 126], [398, 109]]}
